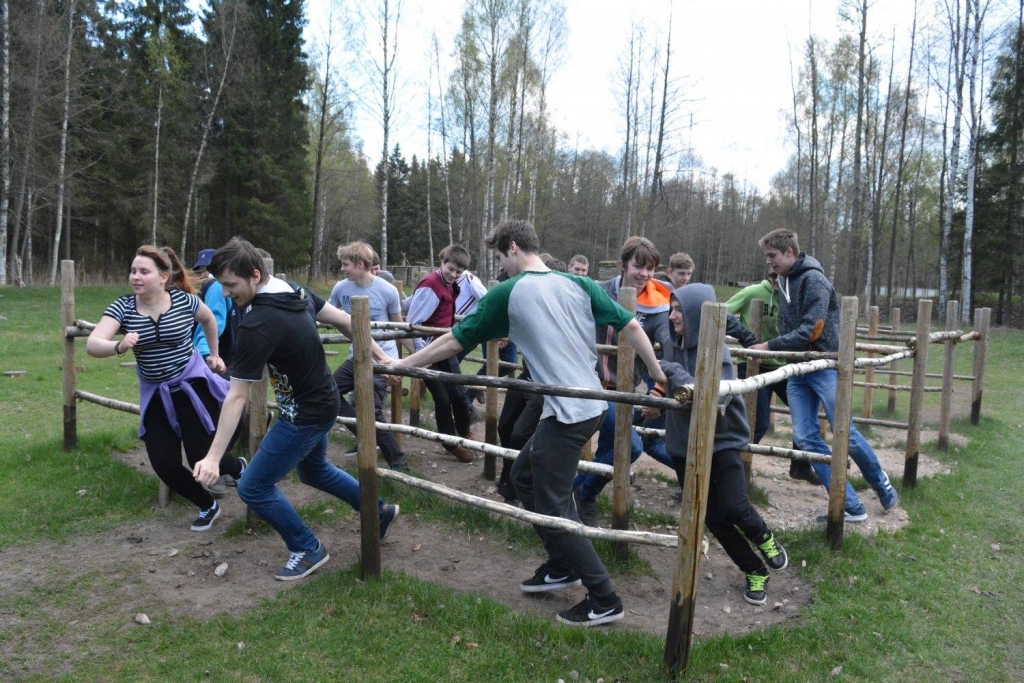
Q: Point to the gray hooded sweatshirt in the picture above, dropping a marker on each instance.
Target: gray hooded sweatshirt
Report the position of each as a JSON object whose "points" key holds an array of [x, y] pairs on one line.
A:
{"points": [[805, 297], [679, 364]]}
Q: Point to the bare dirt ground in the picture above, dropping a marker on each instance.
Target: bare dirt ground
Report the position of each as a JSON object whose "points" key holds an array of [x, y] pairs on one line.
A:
{"points": [[160, 568]]}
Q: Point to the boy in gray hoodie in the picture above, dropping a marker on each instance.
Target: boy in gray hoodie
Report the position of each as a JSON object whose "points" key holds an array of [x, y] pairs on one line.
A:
{"points": [[730, 516]]}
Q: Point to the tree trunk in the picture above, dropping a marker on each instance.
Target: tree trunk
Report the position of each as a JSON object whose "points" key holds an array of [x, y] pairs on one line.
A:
{"points": [[900, 166], [5, 134], [972, 168], [959, 45], [62, 159], [156, 160]]}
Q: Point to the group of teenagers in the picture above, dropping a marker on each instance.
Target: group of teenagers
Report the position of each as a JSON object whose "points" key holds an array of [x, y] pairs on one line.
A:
{"points": [[192, 396]]}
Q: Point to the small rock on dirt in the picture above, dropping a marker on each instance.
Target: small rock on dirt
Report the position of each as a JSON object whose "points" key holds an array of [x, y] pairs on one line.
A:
{"points": [[221, 569], [141, 618]]}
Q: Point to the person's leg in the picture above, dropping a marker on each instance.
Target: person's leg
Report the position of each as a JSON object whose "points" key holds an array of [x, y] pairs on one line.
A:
{"points": [[442, 400], [802, 392], [194, 436], [315, 470], [163, 447], [591, 485], [655, 446], [543, 477], [461, 408]]}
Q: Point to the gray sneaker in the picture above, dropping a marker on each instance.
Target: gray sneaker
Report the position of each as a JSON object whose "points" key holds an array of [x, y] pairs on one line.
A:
{"points": [[219, 488]]}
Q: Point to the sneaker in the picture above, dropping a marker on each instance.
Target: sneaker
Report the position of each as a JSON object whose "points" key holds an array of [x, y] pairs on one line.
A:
{"points": [[860, 515], [505, 489], [401, 465], [590, 613], [677, 495], [802, 471], [514, 502], [206, 518], [547, 579], [757, 581], [352, 453], [773, 553], [387, 517], [218, 489], [887, 495], [301, 565], [586, 509], [462, 454]]}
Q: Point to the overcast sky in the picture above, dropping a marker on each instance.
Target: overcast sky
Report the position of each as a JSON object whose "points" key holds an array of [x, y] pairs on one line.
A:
{"points": [[733, 59]]}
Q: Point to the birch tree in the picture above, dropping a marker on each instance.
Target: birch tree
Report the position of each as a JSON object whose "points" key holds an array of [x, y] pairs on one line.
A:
{"points": [[69, 9]]}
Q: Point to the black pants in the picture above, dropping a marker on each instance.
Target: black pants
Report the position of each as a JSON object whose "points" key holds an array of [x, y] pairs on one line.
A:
{"points": [[450, 408], [520, 414], [344, 377], [730, 517], [164, 446]]}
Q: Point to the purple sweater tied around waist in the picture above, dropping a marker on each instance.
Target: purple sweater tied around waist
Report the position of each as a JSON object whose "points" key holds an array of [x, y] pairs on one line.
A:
{"points": [[196, 369]]}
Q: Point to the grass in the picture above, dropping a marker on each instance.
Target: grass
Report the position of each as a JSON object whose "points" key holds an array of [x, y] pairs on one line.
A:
{"points": [[935, 601]]}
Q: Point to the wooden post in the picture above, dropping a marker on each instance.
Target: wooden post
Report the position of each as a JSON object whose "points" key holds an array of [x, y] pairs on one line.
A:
{"points": [[623, 427], [869, 376], [369, 517], [703, 417], [982, 321], [924, 328], [841, 425], [257, 413], [491, 409], [894, 321], [67, 364], [396, 392], [750, 398], [946, 404]]}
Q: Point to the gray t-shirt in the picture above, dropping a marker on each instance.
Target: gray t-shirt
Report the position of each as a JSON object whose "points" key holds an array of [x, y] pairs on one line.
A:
{"points": [[384, 303], [550, 316]]}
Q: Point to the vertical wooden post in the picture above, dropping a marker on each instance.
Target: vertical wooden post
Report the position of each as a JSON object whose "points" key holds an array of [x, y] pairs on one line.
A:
{"points": [[869, 376], [894, 319], [841, 424], [369, 516], [67, 364], [703, 417], [946, 404], [396, 392], [750, 398], [623, 427], [982, 321], [924, 328]]}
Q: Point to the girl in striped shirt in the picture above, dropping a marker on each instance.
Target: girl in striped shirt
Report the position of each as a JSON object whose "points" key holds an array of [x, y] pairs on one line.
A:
{"points": [[179, 394]]}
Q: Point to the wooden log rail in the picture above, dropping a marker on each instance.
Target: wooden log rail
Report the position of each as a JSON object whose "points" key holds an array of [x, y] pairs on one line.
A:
{"points": [[873, 421], [755, 449]]}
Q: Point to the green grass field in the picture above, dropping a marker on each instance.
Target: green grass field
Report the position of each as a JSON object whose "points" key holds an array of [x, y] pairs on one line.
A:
{"points": [[936, 601]]}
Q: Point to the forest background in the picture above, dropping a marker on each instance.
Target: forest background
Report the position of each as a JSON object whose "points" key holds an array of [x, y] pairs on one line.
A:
{"points": [[145, 121]]}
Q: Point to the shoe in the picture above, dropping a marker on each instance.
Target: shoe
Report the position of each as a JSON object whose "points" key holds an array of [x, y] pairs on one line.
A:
{"points": [[802, 470], [352, 453], [218, 489], [757, 581], [387, 517], [301, 565], [547, 579], [233, 481], [586, 509], [677, 495], [206, 518], [462, 454], [590, 613], [505, 489], [514, 502], [851, 517], [887, 495], [401, 465], [773, 553]]}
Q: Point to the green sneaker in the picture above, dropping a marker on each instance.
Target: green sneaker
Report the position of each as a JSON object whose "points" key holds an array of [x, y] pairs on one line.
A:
{"points": [[773, 553], [756, 584]]}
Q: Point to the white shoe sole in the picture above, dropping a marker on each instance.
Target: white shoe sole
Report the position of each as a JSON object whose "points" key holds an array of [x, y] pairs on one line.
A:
{"points": [[209, 526]]}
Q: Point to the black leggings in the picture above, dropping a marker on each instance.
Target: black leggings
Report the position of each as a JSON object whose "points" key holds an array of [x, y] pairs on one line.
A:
{"points": [[450, 408], [520, 414], [164, 446], [730, 517]]}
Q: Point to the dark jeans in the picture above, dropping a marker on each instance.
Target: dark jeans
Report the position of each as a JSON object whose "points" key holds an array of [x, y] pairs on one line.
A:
{"points": [[344, 377], [764, 403], [163, 446], [451, 411], [730, 517], [509, 354], [542, 475], [518, 421]]}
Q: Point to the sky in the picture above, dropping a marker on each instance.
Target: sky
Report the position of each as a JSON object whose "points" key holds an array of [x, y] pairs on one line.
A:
{"points": [[732, 58]]}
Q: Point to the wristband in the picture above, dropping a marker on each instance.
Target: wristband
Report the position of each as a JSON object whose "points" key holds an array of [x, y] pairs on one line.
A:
{"points": [[117, 349]]}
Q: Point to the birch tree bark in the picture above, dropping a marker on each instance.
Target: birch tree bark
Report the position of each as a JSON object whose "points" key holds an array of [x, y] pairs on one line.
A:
{"points": [[62, 158]]}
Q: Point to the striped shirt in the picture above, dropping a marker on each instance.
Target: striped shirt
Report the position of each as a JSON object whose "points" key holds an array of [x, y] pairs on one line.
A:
{"points": [[165, 345]]}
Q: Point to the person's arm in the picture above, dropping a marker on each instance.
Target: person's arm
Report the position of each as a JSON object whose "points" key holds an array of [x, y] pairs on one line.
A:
{"points": [[443, 347], [410, 348], [343, 321], [637, 338], [101, 344], [204, 316], [207, 470], [734, 328], [422, 305]]}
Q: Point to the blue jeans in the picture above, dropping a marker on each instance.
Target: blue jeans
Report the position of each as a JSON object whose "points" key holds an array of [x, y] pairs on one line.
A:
{"points": [[286, 447], [808, 392], [764, 402], [655, 446], [590, 485]]}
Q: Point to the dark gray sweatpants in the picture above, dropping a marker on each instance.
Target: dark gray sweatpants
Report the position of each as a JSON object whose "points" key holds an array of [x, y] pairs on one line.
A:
{"points": [[542, 475]]}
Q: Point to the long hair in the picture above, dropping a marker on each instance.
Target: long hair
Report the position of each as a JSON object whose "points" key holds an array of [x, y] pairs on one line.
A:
{"points": [[167, 261]]}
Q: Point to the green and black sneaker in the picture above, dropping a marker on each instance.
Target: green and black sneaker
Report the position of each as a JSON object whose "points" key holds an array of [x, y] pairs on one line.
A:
{"points": [[757, 581], [773, 553]]}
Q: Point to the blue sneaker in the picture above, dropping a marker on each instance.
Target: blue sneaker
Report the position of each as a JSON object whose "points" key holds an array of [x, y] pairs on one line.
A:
{"points": [[887, 495], [301, 565]]}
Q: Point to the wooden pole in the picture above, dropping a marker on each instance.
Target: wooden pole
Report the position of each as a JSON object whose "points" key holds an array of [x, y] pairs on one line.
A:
{"points": [[866, 409], [982, 320], [894, 322], [396, 392], [67, 365], [623, 427], [750, 398], [367, 437], [946, 404], [841, 425], [491, 403], [703, 417], [924, 325]]}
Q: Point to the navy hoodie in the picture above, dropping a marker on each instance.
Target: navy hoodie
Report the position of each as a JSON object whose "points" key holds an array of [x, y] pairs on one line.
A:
{"points": [[680, 362]]}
